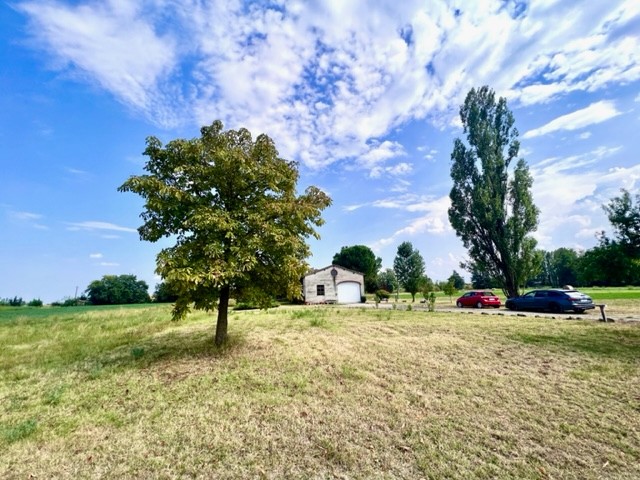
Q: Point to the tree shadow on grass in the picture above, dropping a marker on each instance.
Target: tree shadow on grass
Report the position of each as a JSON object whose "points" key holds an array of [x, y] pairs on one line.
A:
{"points": [[623, 345], [175, 345]]}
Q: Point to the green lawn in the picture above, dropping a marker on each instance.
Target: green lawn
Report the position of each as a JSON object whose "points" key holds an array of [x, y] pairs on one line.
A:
{"points": [[317, 392]]}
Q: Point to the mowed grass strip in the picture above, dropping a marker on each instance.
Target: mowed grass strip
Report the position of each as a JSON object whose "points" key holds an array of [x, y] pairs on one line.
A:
{"points": [[317, 393]]}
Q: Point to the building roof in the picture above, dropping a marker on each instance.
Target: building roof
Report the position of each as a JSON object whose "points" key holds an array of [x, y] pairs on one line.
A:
{"points": [[311, 272]]}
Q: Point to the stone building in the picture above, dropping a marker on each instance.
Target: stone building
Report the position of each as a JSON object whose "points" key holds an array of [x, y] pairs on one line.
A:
{"points": [[333, 284]]}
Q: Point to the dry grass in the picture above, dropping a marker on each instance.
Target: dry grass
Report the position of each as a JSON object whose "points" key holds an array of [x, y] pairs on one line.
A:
{"points": [[319, 393]]}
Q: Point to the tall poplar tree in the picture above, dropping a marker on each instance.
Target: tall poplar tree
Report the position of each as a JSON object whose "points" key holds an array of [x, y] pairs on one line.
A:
{"points": [[231, 205], [492, 213]]}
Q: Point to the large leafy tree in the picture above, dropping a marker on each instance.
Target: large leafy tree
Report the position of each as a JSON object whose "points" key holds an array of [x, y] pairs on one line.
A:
{"points": [[387, 280], [625, 219], [457, 280], [481, 279], [361, 259], [559, 268], [409, 268], [608, 264], [231, 205], [165, 293], [118, 290], [492, 214]]}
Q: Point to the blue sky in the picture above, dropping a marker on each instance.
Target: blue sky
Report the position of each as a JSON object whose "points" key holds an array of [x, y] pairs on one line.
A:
{"points": [[363, 94]]}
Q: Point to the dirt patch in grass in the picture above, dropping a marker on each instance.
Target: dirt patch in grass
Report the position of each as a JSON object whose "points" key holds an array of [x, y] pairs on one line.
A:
{"points": [[334, 393]]}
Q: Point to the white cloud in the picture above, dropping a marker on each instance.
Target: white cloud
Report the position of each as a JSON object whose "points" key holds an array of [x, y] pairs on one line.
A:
{"points": [[325, 88], [113, 44], [29, 219], [93, 225], [595, 113], [397, 170], [75, 171], [570, 195], [109, 264], [95, 255], [584, 135], [27, 216], [352, 208], [379, 153], [435, 219]]}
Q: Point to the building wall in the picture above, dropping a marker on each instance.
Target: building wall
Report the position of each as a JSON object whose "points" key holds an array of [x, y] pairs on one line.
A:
{"points": [[323, 277]]}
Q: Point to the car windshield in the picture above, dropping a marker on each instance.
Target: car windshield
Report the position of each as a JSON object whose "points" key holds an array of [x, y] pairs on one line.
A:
{"points": [[488, 294]]}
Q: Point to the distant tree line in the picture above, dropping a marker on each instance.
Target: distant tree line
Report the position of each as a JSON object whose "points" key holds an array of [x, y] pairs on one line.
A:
{"points": [[19, 302]]}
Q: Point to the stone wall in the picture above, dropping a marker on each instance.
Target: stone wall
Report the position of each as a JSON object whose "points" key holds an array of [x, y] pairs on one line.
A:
{"points": [[324, 277]]}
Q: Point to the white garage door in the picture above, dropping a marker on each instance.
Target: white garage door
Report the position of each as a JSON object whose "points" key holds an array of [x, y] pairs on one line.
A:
{"points": [[349, 292]]}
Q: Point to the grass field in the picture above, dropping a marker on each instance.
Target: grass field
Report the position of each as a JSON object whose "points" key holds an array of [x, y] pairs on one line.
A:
{"points": [[325, 392]]}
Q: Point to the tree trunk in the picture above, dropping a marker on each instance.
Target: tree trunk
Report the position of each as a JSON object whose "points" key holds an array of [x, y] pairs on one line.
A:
{"points": [[223, 310], [511, 287]]}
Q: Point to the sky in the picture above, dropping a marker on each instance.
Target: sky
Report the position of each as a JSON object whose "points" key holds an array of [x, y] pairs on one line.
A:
{"points": [[364, 95]]}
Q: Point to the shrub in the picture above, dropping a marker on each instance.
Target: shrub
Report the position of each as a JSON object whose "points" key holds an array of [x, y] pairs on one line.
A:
{"points": [[383, 294], [432, 302], [73, 302], [36, 302]]}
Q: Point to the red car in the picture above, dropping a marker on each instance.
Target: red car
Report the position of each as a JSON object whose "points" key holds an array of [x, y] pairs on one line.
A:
{"points": [[478, 299]]}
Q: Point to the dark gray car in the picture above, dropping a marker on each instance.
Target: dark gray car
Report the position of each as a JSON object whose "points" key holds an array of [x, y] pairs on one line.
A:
{"points": [[553, 300]]}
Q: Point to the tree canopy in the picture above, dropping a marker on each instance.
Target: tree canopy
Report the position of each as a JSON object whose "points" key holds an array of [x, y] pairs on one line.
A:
{"points": [[457, 280], [490, 213], [118, 290], [231, 205], [361, 259], [625, 219], [409, 268], [387, 280], [165, 292]]}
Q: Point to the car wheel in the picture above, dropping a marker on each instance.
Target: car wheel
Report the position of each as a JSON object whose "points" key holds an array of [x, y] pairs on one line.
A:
{"points": [[479, 305], [459, 304], [510, 306], [554, 307], [579, 310]]}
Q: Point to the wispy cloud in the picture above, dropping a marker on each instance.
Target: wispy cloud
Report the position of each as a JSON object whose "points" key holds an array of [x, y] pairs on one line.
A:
{"points": [[597, 112], [95, 255], [28, 218], [326, 89], [75, 171], [111, 43], [380, 152], [109, 264], [570, 191], [93, 225], [434, 220], [400, 169]]}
